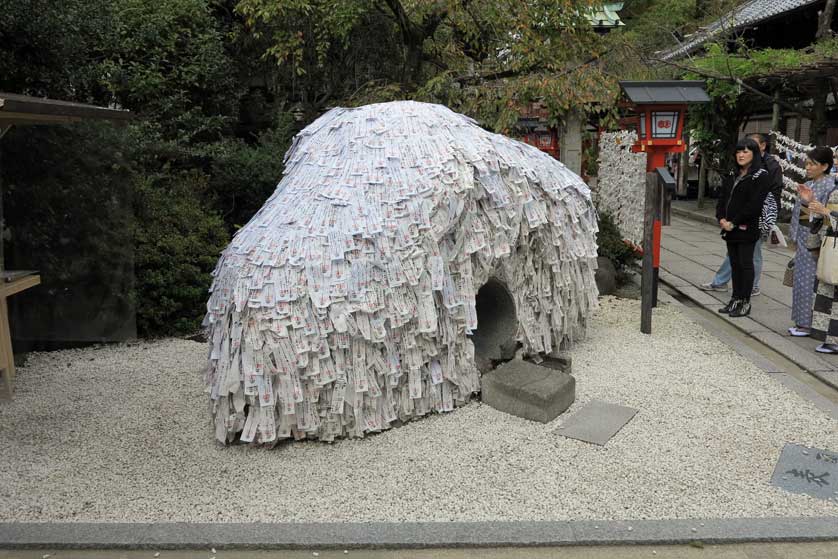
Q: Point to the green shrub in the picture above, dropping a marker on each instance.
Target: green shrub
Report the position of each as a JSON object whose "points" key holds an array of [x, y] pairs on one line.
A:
{"points": [[243, 175], [178, 241], [612, 245]]}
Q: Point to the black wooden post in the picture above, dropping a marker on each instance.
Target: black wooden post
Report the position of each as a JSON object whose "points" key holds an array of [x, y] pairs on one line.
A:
{"points": [[647, 281]]}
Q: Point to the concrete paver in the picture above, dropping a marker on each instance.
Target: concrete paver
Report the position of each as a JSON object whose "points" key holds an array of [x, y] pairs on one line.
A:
{"points": [[692, 251]]}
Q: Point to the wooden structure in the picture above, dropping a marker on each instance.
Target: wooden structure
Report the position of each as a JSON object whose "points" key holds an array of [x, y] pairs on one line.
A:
{"points": [[657, 110], [22, 110]]}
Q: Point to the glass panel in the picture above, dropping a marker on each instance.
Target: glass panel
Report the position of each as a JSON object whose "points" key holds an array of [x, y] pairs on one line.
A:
{"points": [[664, 124]]}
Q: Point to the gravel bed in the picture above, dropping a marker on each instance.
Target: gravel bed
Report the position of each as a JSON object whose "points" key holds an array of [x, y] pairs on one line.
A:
{"points": [[121, 433]]}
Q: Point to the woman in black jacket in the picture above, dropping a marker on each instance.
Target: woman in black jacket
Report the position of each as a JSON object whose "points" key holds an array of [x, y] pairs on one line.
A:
{"points": [[738, 212]]}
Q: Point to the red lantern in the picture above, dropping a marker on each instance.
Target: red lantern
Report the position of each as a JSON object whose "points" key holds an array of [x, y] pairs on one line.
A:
{"points": [[659, 110]]}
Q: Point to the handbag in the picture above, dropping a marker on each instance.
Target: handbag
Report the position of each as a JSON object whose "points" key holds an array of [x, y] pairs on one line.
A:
{"points": [[813, 239], [828, 259], [788, 275]]}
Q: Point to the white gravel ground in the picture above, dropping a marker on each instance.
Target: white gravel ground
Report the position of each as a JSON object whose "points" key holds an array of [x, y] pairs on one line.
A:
{"points": [[121, 433]]}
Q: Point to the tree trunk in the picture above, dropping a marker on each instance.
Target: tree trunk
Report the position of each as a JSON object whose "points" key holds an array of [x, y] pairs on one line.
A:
{"points": [[775, 113], [683, 169], [702, 180], [825, 20], [818, 134]]}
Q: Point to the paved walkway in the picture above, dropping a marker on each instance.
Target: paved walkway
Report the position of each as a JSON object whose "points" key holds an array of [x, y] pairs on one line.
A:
{"points": [[692, 250]]}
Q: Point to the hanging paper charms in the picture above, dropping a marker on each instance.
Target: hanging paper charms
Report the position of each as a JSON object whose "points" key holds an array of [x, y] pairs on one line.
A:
{"points": [[345, 304]]}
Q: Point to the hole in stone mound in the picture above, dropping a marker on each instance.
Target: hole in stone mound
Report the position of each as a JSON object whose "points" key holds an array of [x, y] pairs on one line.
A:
{"points": [[494, 339]]}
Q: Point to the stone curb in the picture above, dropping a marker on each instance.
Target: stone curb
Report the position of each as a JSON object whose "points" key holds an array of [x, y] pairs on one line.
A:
{"points": [[380, 535], [695, 216]]}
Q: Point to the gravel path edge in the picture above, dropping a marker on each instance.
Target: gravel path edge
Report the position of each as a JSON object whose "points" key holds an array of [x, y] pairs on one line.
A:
{"points": [[379, 535]]}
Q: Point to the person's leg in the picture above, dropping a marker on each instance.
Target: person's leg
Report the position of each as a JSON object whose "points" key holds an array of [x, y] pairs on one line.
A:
{"points": [[743, 278], [757, 264], [723, 274], [746, 261], [734, 255], [731, 261], [803, 292], [719, 281]]}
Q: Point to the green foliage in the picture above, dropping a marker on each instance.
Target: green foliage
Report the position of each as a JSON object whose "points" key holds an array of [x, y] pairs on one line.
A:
{"points": [[486, 58], [651, 26], [169, 64], [743, 65], [310, 29], [131, 218], [47, 50], [715, 126], [611, 243], [178, 241], [242, 176]]}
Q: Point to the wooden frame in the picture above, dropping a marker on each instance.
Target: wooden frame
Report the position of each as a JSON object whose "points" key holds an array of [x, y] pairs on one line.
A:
{"points": [[7, 358], [22, 110]]}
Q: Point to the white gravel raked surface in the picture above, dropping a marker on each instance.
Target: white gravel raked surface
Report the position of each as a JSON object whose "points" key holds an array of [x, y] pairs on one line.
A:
{"points": [[122, 433]]}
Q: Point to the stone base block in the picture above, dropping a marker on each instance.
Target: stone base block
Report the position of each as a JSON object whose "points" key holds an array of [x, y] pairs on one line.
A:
{"points": [[527, 390]]}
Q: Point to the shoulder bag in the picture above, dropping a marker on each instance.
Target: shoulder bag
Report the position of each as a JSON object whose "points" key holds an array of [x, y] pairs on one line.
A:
{"points": [[828, 259]]}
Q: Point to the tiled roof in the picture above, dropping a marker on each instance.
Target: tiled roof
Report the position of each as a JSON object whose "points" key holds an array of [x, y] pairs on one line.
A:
{"points": [[749, 13], [676, 91]]}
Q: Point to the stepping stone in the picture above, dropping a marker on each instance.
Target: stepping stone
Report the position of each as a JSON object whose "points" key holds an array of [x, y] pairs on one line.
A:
{"points": [[596, 422], [811, 471], [528, 390]]}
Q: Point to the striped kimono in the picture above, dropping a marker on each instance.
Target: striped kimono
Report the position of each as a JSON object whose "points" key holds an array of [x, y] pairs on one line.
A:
{"points": [[825, 309]]}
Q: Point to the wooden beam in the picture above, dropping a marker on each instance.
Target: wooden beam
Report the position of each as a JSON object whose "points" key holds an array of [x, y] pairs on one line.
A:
{"points": [[8, 117], [7, 356], [35, 108], [16, 286]]}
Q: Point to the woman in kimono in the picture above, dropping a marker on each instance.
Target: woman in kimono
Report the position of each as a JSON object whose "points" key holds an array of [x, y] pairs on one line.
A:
{"points": [[817, 191], [824, 309]]}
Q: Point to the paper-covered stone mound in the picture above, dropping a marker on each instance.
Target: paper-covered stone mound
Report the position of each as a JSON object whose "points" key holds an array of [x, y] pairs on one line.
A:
{"points": [[347, 302]]}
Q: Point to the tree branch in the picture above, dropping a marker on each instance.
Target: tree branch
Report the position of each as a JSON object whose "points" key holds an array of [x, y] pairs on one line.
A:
{"points": [[738, 81], [491, 76]]}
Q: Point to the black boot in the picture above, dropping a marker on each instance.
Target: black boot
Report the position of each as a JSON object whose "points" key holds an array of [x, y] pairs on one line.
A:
{"points": [[729, 307], [742, 309]]}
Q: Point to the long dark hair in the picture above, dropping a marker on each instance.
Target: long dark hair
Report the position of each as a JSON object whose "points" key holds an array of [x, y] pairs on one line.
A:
{"points": [[750, 145], [822, 155]]}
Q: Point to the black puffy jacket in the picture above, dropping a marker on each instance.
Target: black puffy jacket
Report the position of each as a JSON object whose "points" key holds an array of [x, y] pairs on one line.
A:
{"points": [[741, 203]]}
